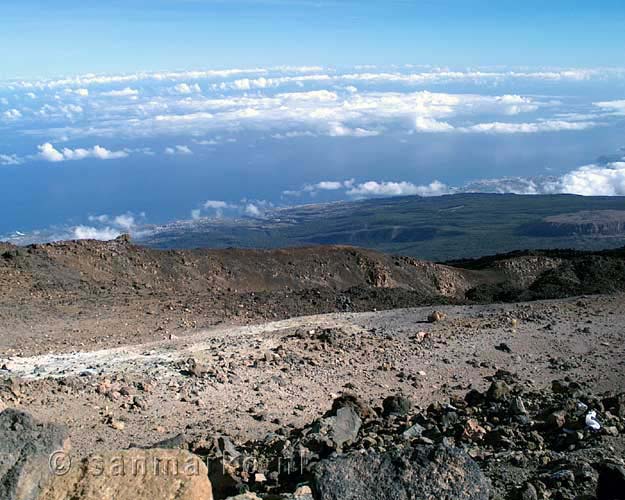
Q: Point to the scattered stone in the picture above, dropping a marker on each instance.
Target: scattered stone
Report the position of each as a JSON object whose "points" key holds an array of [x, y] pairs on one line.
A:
{"points": [[436, 316], [357, 404], [517, 407], [302, 491], [473, 431], [413, 432], [503, 347], [498, 390], [118, 425], [396, 405], [196, 369]]}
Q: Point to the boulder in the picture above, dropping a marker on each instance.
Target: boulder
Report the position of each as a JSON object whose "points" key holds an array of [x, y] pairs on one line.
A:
{"points": [[339, 429], [134, 474], [25, 450], [611, 481], [424, 472], [396, 405]]}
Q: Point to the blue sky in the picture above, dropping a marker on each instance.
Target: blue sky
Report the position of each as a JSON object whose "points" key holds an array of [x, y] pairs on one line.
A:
{"points": [[50, 38], [116, 115]]}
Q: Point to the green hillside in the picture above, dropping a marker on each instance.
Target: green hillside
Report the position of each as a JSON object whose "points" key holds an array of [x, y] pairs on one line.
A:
{"points": [[436, 228]]}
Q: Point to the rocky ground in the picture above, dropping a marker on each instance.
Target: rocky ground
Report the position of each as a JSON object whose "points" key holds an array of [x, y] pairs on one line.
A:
{"points": [[500, 392], [247, 382]]}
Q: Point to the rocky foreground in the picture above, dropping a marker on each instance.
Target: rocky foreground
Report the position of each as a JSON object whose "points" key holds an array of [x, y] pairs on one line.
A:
{"points": [[509, 442], [515, 401]]}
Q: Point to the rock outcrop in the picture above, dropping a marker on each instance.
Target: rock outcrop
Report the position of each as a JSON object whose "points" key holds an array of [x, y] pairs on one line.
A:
{"points": [[423, 472], [134, 474], [25, 450]]}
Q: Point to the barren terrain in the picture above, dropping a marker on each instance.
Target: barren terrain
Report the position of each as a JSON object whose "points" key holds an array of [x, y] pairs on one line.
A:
{"points": [[261, 377], [131, 347]]}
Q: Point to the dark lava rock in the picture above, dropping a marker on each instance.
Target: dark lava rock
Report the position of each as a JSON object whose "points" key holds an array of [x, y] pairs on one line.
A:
{"points": [[424, 472], [503, 347], [396, 405], [528, 492], [340, 429], [611, 482], [25, 449]]}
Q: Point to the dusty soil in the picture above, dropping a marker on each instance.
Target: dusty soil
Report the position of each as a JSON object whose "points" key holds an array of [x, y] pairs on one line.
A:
{"points": [[246, 381]]}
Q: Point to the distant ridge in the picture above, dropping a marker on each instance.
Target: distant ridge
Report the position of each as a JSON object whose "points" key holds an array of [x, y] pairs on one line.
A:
{"points": [[435, 228]]}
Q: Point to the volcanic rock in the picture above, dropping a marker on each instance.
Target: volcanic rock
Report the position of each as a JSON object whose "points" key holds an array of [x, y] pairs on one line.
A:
{"points": [[134, 475], [421, 472], [25, 450]]}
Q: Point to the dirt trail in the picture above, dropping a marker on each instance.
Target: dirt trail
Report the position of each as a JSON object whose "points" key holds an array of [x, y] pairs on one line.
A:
{"points": [[150, 356]]}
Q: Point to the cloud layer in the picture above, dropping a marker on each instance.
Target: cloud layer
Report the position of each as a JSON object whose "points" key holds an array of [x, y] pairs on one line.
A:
{"points": [[290, 103]]}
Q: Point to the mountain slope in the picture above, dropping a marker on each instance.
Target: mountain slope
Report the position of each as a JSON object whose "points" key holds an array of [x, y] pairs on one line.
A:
{"points": [[116, 292], [436, 228]]}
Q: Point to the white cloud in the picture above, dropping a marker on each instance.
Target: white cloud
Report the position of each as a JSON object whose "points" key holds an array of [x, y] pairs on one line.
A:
{"points": [[527, 128], [125, 221], [107, 227], [91, 79], [320, 112], [10, 159], [49, 153], [185, 88], [294, 134], [78, 92], [127, 92], [12, 114], [252, 210], [615, 107], [340, 130], [314, 95], [311, 104], [328, 185], [216, 204], [589, 180], [425, 124], [178, 150], [289, 75], [374, 188], [595, 180], [516, 185], [93, 233]]}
